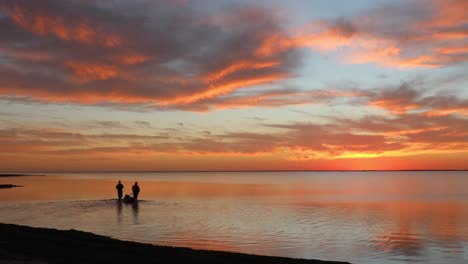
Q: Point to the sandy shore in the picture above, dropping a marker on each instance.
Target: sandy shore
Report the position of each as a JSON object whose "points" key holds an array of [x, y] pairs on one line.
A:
{"points": [[22, 244]]}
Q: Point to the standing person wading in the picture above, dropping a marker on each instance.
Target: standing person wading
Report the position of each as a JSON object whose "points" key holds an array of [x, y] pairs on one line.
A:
{"points": [[119, 188], [135, 190]]}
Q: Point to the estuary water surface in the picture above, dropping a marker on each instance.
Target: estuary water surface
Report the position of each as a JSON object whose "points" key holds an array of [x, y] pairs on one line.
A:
{"points": [[360, 217]]}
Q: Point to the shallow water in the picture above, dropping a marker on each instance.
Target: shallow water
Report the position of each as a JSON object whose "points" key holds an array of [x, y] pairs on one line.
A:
{"points": [[361, 217]]}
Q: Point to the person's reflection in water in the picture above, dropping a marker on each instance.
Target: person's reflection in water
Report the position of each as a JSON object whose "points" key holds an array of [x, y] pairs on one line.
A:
{"points": [[119, 211], [135, 211], [135, 207]]}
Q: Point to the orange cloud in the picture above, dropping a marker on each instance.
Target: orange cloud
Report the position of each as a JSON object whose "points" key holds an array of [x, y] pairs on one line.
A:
{"points": [[89, 72], [185, 69], [238, 66], [394, 105], [398, 101], [404, 132], [318, 36], [390, 54], [452, 50], [404, 142], [132, 59], [328, 37], [215, 90], [434, 39], [403, 99], [133, 64], [447, 111], [41, 23], [448, 13]]}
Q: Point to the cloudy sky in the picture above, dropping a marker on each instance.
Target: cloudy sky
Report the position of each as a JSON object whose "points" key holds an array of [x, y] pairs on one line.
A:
{"points": [[233, 85]]}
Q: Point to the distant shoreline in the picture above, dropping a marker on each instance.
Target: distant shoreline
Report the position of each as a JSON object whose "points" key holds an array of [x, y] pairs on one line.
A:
{"points": [[5, 175], [7, 186], [23, 244], [205, 171]]}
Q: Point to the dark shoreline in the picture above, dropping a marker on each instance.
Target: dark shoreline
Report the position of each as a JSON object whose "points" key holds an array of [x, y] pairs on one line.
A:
{"points": [[23, 244], [7, 186], [6, 175]]}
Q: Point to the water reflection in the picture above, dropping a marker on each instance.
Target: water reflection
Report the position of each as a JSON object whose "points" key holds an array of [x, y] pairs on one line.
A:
{"points": [[119, 211], [360, 218], [402, 243], [135, 209]]}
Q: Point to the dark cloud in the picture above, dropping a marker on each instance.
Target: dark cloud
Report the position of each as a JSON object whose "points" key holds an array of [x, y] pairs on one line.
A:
{"points": [[155, 53], [343, 27], [143, 124], [110, 124], [404, 98]]}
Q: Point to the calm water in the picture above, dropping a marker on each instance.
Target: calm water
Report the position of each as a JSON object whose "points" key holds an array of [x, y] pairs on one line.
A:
{"points": [[361, 217]]}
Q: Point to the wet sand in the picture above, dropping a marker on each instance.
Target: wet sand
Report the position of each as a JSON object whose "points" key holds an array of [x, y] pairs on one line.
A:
{"points": [[22, 244]]}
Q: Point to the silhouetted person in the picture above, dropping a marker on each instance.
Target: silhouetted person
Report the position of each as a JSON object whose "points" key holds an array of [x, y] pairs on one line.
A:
{"points": [[119, 188], [135, 190]]}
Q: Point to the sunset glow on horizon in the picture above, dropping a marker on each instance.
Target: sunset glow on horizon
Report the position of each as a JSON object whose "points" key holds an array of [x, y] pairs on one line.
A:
{"points": [[233, 85]]}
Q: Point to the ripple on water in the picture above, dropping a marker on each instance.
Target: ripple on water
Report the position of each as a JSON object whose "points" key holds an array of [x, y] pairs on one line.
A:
{"points": [[309, 231]]}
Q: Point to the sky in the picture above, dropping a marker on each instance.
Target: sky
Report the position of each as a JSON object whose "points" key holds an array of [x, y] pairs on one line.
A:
{"points": [[174, 85]]}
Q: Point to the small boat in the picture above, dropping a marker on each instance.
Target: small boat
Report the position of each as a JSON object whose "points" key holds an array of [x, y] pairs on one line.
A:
{"points": [[128, 199]]}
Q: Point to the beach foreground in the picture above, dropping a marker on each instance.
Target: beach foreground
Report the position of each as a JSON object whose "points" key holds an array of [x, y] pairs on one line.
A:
{"points": [[23, 244]]}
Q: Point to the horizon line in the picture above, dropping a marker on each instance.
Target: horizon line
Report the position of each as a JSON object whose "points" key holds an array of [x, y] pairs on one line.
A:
{"points": [[202, 171]]}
